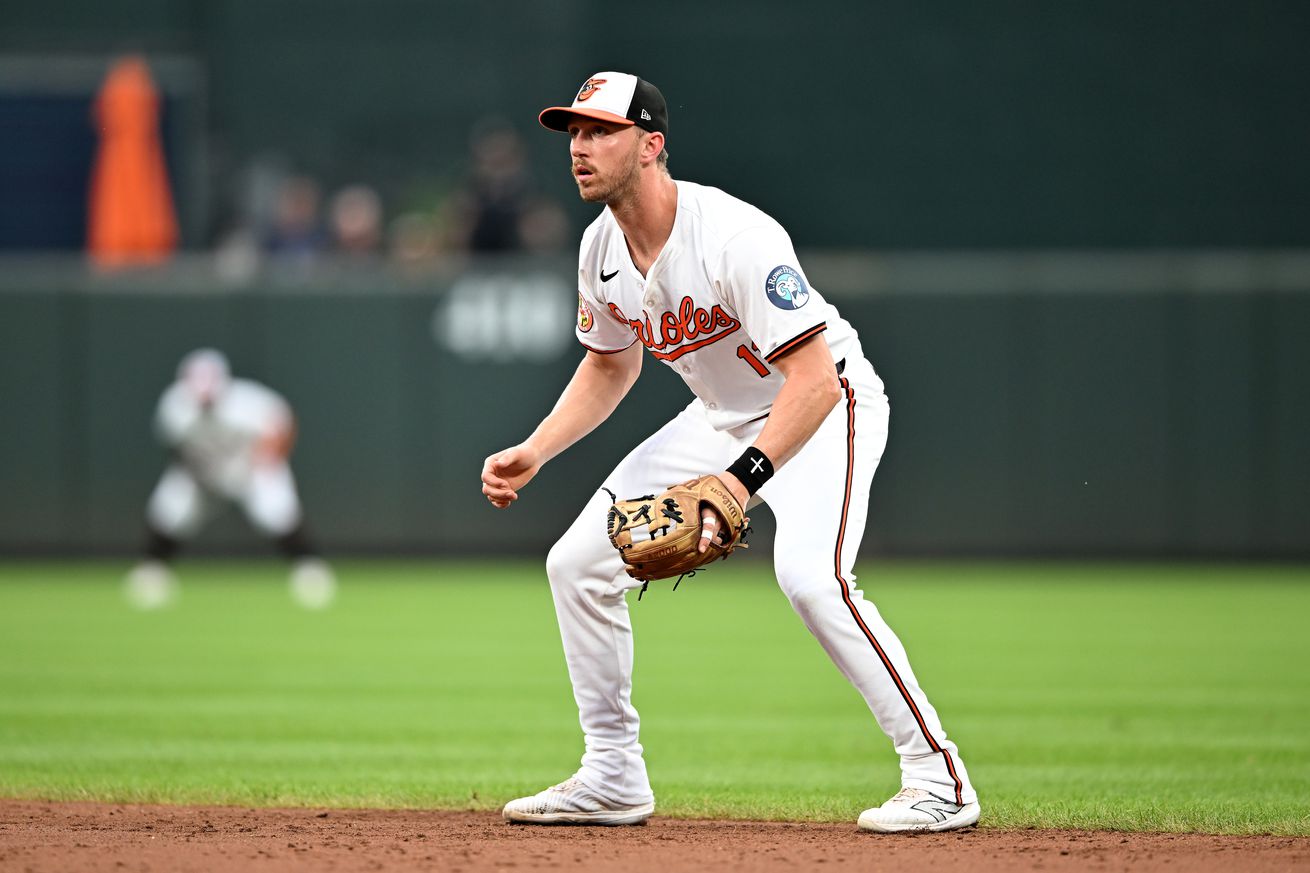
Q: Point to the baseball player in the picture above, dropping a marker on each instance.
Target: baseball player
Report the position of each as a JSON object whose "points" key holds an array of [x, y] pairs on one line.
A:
{"points": [[230, 440], [787, 411]]}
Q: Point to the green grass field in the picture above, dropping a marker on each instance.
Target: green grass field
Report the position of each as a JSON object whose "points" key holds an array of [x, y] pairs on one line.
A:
{"points": [[1155, 697]]}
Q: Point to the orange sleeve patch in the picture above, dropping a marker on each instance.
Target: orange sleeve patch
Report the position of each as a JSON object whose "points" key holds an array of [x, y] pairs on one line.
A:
{"points": [[585, 319]]}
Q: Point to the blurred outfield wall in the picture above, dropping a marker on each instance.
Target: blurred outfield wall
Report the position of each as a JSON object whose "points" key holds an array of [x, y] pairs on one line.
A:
{"points": [[1130, 404]]}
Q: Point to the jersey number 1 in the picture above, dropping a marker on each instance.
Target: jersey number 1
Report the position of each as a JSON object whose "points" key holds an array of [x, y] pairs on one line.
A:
{"points": [[755, 363]]}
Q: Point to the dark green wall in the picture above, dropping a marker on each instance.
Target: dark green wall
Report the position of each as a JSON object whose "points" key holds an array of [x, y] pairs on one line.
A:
{"points": [[946, 123], [1075, 423]]}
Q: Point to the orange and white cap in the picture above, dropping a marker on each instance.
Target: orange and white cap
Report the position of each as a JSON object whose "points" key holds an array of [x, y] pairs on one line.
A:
{"points": [[621, 98]]}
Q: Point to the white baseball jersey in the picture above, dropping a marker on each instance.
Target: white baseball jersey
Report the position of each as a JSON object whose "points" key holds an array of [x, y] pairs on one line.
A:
{"points": [[218, 444], [724, 299]]}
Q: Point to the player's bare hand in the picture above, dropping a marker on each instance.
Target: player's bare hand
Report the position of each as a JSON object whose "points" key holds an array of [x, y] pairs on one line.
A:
{"points": [[735, 488], [505, 472], [711, 524]]}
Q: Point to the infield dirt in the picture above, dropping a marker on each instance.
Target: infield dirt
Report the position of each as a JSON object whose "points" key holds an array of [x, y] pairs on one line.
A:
{"points": [[70, 837]]}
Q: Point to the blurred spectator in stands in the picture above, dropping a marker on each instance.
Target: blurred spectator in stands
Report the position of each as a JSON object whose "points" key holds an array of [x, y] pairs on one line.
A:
{"points": [[498, 209], [497, 188], [355, 217], [237, 256], [414, 239], [296, 234], [543, 227]]}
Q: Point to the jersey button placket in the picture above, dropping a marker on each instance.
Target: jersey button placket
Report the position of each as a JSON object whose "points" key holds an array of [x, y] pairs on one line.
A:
{"points": [[651, 288]]}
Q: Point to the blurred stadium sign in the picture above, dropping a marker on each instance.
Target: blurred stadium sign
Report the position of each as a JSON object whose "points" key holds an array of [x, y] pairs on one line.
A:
{"points": [[505, 318]]}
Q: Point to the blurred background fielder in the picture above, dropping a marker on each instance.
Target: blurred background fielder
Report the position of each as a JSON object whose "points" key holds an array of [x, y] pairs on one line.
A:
{"points": [[230, 441]]}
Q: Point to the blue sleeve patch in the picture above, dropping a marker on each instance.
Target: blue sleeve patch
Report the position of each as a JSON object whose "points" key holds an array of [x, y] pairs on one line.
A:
{"points": [[786, 288]]}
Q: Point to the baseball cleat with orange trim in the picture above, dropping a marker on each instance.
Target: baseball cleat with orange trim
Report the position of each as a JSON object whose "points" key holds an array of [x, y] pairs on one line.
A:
{"points": [[913, 809], [572, 802]]}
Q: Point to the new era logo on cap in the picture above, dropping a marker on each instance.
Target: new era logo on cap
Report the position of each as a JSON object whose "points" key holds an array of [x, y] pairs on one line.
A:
{"points": [[621, 98]]}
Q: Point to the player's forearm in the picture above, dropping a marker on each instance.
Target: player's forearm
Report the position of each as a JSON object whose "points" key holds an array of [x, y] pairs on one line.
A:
{"points": [[594, 392], [809, 392], [803, 402]]}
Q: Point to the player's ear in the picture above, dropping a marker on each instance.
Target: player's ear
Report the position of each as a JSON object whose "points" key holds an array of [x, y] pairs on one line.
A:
{"points": [[651, 146]]}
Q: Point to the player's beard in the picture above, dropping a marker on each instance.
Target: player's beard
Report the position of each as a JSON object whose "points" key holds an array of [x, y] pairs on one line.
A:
{"points": [[618, 188]]}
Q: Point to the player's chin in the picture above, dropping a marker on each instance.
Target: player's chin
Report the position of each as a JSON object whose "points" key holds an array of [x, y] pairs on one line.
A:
{"points": [[589, 191]]}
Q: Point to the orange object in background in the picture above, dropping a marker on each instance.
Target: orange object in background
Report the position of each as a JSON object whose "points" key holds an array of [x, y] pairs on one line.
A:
{"points": [[130, 214]]}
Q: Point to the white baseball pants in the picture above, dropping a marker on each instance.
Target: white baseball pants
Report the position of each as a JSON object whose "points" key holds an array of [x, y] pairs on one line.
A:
{"points": [[181, 503], [820, 500]]}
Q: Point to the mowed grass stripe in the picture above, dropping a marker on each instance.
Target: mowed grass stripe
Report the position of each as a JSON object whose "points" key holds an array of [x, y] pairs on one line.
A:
{"points": [[1161, 697]]}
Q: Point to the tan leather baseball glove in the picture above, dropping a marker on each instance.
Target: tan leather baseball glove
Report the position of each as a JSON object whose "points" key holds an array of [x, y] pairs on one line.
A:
{"points": [[659, 537]]}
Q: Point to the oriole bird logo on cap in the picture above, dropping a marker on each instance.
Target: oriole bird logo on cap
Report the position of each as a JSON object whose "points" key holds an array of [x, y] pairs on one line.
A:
{"points": [[589, 87]]}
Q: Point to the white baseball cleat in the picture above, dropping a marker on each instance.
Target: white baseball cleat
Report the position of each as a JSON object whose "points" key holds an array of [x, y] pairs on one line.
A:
{"points": [[150, 585], [571, 802], [313, 584], [913, 809]]}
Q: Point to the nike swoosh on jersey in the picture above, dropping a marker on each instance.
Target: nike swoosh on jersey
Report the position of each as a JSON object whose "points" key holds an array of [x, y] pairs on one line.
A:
{"points": [[606, 277]]}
